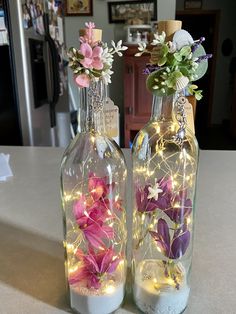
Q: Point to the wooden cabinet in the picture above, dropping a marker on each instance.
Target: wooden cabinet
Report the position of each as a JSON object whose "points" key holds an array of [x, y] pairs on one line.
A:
{"points": [[137, 99]]}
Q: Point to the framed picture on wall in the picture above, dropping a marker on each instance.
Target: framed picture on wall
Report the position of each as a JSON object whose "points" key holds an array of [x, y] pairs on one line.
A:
{"points": [[193, 4], [79, 7], [143, 10]]}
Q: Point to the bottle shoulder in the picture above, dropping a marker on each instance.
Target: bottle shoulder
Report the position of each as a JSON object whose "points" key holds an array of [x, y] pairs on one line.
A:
{"points": [[93, 149], [163, 135]]}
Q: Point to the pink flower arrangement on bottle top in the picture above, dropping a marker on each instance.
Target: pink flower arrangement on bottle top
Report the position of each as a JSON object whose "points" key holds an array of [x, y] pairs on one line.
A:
{"points": [[92, 56], [93, 61]]}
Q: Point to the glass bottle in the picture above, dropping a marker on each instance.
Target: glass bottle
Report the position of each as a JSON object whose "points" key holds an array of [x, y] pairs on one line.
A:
{"points": [[93, 183], [165, 159]]}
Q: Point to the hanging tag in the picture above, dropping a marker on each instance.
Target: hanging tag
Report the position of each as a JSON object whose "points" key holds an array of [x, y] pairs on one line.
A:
{"points": [[111, 117], [189, 115]]}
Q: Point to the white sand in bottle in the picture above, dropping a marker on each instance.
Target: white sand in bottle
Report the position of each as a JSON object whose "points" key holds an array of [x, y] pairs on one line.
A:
{"points": [[154, 293], [85, 301]]}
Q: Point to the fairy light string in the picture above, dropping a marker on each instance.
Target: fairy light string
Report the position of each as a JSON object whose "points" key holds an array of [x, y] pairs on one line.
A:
{"points": [[180, 168]]}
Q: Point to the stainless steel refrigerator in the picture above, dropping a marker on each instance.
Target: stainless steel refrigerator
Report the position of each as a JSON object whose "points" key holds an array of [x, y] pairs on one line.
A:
{"points": [[38, 73]]}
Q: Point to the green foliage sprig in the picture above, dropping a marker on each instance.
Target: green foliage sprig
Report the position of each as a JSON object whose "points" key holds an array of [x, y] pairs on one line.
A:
{"points": [[173, 66]]}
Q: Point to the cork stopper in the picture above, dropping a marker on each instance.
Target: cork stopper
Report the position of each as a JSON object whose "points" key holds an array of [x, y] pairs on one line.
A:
{"points": [[97, 33], [169, 27]]}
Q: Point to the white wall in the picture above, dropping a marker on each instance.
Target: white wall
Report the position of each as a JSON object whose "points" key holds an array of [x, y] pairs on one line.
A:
{"points": [[166, 9], [227, 29]]}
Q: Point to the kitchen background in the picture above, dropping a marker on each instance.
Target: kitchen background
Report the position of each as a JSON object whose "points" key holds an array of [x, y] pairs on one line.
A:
{"points": [[215, 133]]}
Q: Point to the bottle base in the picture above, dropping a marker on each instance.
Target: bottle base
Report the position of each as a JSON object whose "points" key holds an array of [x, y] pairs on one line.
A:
{"points": [[154, 293], [96, 304]]}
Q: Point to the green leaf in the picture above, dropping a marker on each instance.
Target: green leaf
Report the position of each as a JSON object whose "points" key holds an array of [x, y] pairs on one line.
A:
{"points": [[72, 50], [80, 56], [96, 73], [184, 71], [178, 56], [170, 83], [164, 50], [162, 61], [193, 86], [151, 82], [198, 94], [177, 74], [185, 51]]}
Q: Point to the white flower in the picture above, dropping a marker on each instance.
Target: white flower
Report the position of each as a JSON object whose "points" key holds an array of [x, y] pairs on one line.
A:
{"points": [[113, 44], [117, 48], [106, 76], [154, 191], [142, 46], [107, 57], [158, 39], [105, 50], [190, 56], [195, 65], [171, 46]]}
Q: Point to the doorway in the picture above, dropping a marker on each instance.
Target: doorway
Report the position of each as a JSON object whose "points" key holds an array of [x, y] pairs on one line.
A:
{"points": [[203, 23]]}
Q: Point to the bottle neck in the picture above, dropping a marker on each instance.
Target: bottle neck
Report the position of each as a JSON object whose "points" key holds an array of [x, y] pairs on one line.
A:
{"points": [[162, 107], [91, 103]]}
